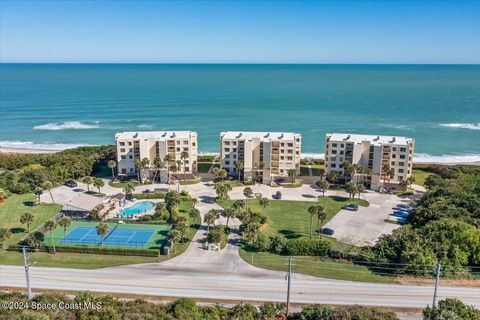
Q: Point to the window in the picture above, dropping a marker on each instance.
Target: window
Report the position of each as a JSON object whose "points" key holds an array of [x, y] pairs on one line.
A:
{"points": [[282, 144], [185, 142], [234, 143], [281, 170], [123, 157], [400, 178], [227, 149], [393, 163], [178, 149], [334, 151], [227, 162], [289, 158], [342, 146], [129, 143], [394, 155], [282, 151], [282, 158], [401, 164], [290, 144], [394, 148], [403, 149], [131, 170], [178, 142], [122, 150], [122, 143], [187, 169], [334, 145], [333, 165], [341, 152], [193, 144], [400, 170], [402, 156], [124, 171], [290, 151], [234, 149], [185, 149], [227, 143], [130, 156]]}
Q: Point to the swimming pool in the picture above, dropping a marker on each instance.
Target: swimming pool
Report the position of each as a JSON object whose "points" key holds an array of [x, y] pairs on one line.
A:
{"points": [[137, 208]]}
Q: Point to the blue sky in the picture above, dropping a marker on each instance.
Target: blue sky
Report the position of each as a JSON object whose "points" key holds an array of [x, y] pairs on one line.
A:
{"points": [[256, 32]]}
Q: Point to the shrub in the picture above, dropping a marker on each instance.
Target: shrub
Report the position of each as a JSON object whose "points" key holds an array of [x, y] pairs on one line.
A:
{"points": [[307, 247], [146, 196], [249, 183], [278, 244], [262, 243], [216, 234]]}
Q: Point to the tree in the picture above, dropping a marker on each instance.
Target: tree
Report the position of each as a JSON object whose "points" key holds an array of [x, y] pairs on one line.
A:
{"points": [[35, 239], [321, 173], [240, 166], [278, 244], [128, 189], [3, 194], [64, 222], [347, 168], [184, 156], [292, 174], [216, 234], [210, 218], [324, 185], [334, 176], [404, 185], [229, 214], [360, 189], [247, 192], [98, 183], [112, 165], [194, 201], [27, 218], [102, 230], [222, 189], [451, 309], [194, 214], [174, 169], [88, 181], [48, 185], [238, 205], [174, 236], [172, 200], [5, 234], [138, 167], [50, 225], [264, 202], [251, 230], [167, 159], [321, 216], [351, 188], [410, 180], [38, 193], [312, 210], [220, 173], [157, 164]]}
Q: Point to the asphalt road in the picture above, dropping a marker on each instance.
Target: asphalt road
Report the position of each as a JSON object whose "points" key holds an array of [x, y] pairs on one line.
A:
{"points": [[251, 284]]}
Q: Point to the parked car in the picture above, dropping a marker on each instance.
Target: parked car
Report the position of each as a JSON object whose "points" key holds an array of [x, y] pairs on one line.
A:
{"points": [[404, 207], [277, 195], [350, 207], [71, 184], [327, 231]]}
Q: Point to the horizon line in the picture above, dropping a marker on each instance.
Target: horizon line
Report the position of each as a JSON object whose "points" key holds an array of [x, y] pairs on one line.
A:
{"points": [[238, 63]]}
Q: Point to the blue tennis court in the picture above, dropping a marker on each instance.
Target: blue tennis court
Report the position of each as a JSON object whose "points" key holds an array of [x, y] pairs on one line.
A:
{"points": [[121, 237]]}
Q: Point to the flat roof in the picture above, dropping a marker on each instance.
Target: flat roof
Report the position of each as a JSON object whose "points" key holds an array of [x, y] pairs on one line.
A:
{"points": [[157, 135], [82, 202], [263, 136], [374, 139]]}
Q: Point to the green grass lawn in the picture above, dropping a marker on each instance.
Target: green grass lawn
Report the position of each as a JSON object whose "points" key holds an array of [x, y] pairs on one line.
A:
{"points": [[291, 218], [189, 182], [123, 184], [157, 240], [15, 206], [297, 184], [315, 266], [420, 176]]}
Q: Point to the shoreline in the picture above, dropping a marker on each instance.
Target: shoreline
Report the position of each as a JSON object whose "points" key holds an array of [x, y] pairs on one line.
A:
{"points": [[304, 156]]}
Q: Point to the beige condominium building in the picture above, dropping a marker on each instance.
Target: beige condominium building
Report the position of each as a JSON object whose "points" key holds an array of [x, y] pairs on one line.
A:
{"points": [[150, 144], [370, 151], [265, 155]]}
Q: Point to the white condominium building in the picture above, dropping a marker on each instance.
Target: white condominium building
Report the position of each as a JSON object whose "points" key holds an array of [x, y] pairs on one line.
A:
{"points": [[370, 151], [265, 155], [150, 144]]}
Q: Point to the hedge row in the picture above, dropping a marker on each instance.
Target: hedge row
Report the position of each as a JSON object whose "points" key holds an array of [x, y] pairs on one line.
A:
{"points": [[146, 196], [307, 247], [96, 250]]}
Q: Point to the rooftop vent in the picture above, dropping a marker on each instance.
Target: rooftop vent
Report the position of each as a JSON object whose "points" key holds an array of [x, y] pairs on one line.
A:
{"points": [[393, 140], [376, 138], [239, 135], [348, 137], [281, 136], [135, 135], [267, 135], [164, 134], [174, 135]]}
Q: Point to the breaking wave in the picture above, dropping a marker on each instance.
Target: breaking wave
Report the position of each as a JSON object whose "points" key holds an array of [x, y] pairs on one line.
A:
{"points": [[470, 126], [68, 125]]}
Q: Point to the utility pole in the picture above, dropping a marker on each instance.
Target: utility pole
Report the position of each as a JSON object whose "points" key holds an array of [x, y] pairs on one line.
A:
{"points": [[289, 277], [437, 280], [26, 261]]}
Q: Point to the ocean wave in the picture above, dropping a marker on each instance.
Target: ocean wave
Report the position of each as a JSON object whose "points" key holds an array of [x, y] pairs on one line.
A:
{"points": [[145, 126], [470, 126], [40, 146], [446, 158], [67, 125]]}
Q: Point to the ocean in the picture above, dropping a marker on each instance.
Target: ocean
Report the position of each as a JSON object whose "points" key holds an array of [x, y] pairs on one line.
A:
{"points": [[61, 105]]}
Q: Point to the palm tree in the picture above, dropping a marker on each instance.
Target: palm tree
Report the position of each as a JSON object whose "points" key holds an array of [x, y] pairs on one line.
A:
{"points": [[5, 234], [102, 230], [174, 236], [48, 185], [112, 165], [184, 156], [264, 202], [334, 176], [98, 183], [50, 225], [351, 188], [88, 181], [360, 189], [312, 210], [324, 185], [128, 189], [229, 214], [27, 218], [157, 164], [194, 202], [64, 222], [404, 185], [38, 193], [210, 218], [194, 214], [321, 172], [347, 168], [167, 159], [238, 205], [321, 216], [222, 190], [240, 166], [138, 166], [410, 180], [292, 173]]}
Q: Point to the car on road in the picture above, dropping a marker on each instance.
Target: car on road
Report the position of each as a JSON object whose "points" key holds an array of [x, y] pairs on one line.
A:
{"points": [[71, 184], [350, 207], [277, 195], [327, 231]]}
